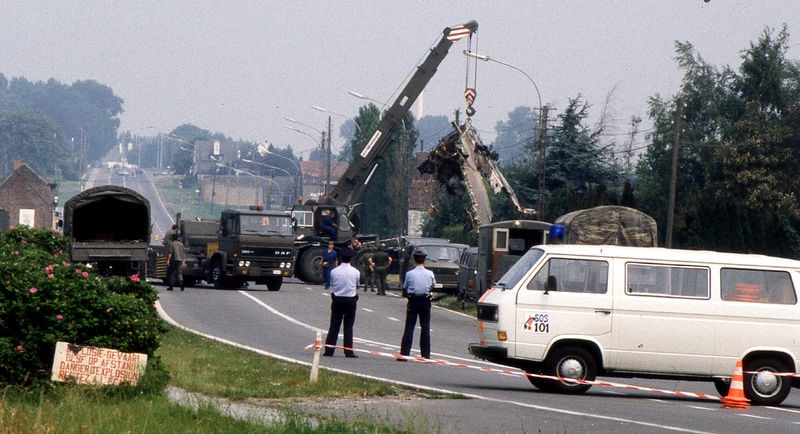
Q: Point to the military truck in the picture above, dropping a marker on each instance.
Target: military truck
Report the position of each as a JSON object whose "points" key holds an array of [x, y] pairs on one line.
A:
{"points": [[109, 227], [242, 246]]}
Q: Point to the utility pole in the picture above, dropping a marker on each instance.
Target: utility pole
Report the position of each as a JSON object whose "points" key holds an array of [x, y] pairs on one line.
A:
{"points": [[322, 156], [674, 174], [328, 161], [542, 160]]}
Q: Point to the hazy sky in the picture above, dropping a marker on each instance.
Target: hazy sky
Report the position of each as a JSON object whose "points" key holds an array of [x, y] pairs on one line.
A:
{"points": [[240, 67]]}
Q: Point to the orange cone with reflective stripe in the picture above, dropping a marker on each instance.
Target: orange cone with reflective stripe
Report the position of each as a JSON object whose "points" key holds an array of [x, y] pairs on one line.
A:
{"points": [[736, 399]]}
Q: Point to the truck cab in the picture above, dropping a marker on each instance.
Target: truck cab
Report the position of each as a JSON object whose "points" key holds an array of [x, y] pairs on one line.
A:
{"points": [[254, 246]]}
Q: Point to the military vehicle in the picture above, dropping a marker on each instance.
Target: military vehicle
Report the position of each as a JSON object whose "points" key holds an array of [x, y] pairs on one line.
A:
{"points": [[109, 227], [242, 246]]}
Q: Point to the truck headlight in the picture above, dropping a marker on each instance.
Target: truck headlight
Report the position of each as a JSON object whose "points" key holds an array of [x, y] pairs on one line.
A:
{"points": [[244, 263]]}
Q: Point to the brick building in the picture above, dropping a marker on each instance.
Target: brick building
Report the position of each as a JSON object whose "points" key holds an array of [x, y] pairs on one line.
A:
{"points": [[26, 199]]}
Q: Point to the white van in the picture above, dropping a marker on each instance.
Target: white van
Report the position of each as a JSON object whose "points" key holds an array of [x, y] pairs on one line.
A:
{"points": [[578, 311]]}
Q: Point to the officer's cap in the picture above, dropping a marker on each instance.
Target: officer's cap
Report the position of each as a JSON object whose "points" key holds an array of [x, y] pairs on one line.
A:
{"points": [[420, 253]]}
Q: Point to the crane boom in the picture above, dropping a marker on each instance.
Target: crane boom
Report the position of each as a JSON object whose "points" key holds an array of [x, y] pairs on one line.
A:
{"points": [[353, 183]]}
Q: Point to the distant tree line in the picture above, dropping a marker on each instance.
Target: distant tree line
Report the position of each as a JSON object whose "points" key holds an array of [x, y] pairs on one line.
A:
{"points": [[56, 128]]}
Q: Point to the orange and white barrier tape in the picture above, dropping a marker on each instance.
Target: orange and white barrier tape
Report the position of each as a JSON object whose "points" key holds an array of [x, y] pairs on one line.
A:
{"points": [[527, 374]]}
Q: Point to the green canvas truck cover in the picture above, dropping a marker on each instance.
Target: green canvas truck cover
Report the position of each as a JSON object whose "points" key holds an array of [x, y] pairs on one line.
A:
{"points": [[610, 224]]}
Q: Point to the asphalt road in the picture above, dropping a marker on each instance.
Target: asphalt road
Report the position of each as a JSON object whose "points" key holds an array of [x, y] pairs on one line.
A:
{"points": [[283, 323]]}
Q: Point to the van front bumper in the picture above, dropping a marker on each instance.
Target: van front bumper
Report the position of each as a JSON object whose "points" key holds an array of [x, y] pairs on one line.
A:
{"points": [[489, 353]]}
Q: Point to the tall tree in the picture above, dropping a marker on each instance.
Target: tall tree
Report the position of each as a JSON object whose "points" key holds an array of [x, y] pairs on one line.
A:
{"points": [[383, 210]]}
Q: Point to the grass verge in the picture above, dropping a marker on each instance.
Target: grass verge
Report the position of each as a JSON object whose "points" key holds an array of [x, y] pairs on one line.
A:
{"points": [[214, 369]]}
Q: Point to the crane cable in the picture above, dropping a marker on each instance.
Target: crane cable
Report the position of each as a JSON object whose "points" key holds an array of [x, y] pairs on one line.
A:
{"points": [[470, 93]]}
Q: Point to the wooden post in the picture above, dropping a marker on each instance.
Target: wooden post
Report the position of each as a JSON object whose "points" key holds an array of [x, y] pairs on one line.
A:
{"points": [[315, 363]]}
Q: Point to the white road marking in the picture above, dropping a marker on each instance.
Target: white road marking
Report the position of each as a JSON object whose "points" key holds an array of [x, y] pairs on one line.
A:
{"points": [[367, 310], [393, 318], [702, 408], [754, 416]]}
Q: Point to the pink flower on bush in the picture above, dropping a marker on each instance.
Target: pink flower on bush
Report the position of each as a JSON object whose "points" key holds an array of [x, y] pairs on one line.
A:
{"points": [[33, 290], [59, 317], [15, 252], [171, 375], [135, 277], [51, 276], [77, 271], [65, 263], [85, 274], [20, 349]]}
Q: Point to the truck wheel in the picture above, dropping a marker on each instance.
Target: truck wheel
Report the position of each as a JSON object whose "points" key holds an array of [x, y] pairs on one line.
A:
{"points": [[764, 387], [217, 275], [274, 283], [311, 266], [571, 362]]}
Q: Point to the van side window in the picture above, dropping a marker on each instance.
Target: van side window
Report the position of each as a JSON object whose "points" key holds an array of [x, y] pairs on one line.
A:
{"points": [[572, 275], [757, 286], [663, 280]]}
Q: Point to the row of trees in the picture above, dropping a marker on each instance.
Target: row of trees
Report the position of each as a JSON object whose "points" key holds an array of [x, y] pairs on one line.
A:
{"points": [[54, 127]]}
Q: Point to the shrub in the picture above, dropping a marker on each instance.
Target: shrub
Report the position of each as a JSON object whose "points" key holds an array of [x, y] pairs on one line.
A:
{"points": [[44, 298]]}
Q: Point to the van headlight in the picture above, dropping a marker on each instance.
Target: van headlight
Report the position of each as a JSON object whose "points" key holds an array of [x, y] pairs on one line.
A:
{"points": [[244, 264]]}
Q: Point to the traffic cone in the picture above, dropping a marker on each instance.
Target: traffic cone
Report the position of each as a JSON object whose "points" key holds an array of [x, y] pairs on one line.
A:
{"points": [[736, 399]]}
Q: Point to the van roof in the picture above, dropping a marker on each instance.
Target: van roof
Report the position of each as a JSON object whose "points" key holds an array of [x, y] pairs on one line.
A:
{"points": [[673, 255]]}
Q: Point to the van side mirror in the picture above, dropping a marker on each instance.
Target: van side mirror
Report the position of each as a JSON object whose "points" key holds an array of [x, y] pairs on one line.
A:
{"points": [[551, 284]]}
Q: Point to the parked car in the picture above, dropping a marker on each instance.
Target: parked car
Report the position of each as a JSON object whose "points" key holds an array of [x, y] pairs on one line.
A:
{"points": [[467, 275], [442, 259]]}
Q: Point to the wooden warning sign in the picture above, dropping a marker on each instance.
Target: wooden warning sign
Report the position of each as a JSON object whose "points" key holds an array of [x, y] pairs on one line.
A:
{"points": [[91, 365]]}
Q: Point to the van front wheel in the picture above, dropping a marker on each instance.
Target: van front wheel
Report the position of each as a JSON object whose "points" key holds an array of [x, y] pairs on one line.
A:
{"points": [[764, 387], [574, 363]]}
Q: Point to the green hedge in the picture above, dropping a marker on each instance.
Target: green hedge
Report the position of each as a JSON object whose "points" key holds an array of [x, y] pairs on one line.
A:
{"points": [[44, 298]]}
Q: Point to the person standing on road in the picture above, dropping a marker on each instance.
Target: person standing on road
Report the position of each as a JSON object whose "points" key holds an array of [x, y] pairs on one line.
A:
{"points": [[168, 236], [344, 297], [175, 258], [330, 259], [382, 262], [366, 267], [417, 284]]}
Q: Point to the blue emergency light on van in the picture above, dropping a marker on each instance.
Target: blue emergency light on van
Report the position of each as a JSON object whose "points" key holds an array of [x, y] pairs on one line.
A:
{"points": [[556, 234]]}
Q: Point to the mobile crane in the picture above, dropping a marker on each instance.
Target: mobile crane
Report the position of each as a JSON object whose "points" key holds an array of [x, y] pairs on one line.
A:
{"points": [[353, 183]]}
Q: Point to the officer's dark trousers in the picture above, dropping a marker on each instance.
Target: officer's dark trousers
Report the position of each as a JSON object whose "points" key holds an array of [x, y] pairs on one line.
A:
{"points": [[343, 309], [417, 307]]}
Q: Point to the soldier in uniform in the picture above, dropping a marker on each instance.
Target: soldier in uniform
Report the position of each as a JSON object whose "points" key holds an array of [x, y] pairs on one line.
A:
{"points": [[382, 262], [175, 258]]}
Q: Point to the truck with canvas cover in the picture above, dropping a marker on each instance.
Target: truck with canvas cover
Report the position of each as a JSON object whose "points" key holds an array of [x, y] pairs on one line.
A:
{"points": [[109, 227], [608, 224]]}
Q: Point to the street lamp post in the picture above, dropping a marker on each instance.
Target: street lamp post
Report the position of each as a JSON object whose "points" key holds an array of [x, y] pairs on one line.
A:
{"points": [[299, 174], [542, 124], [322, 109], [274, 167]]}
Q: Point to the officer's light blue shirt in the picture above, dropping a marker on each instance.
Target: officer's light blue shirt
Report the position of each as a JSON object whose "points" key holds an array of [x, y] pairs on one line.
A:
{"points": [[419, 281], [344, 280]]}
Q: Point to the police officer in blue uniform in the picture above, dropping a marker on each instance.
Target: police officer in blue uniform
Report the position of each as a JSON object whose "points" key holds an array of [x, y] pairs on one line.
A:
{"points": [[417, 285], [344, 281]]}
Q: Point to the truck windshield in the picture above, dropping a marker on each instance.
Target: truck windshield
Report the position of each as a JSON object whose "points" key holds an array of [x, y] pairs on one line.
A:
{"points": [[518, 270], [266, 224], [442, 253]]}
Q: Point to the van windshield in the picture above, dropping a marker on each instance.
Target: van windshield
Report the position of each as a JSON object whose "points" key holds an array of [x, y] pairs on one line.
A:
{"points": [[518, 270]]}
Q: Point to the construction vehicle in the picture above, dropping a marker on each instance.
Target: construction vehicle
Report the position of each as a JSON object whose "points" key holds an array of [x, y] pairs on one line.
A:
{"points": [[352, 185], [109, 227], [242, 246]]}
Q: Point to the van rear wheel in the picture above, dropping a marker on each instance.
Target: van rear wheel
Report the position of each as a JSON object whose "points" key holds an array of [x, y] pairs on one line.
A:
{"points": [[570, 362], [764, 387]]}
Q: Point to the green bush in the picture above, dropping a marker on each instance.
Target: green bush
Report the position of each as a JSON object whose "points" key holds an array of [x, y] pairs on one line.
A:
{"points": [[44, 298]]}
